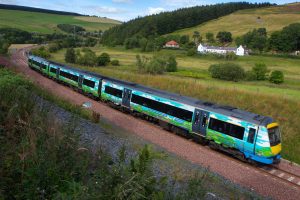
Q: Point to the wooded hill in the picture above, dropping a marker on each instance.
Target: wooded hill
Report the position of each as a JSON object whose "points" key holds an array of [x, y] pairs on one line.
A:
{"points": [[167, 22], [32, 9]]}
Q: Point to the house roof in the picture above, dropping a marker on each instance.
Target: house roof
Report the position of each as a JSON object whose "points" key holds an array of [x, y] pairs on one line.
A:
{"points": [[220, 48], [172, 42]]}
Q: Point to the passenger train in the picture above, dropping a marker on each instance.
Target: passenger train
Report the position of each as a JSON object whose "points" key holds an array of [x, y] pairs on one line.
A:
{"points": [[246, 135]]}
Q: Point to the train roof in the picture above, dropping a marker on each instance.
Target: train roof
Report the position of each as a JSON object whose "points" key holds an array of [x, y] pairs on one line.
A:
{"points": [[209, 106]]}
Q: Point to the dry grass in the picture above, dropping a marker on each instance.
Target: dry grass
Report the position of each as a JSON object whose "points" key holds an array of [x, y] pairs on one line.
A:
{"points": [[98, 19], [258, 97], [238, 23]]}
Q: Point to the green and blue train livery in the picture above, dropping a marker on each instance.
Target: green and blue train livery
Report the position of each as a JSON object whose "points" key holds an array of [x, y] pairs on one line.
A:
{"points": [[246, 135]]}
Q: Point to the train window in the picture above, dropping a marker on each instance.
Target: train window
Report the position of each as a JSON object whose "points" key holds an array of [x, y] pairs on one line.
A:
{"points": [[226, 128], [197, 117], [113, 91], [53, 70], [43, 66], [69, 76], [251, 135], [89, 83], [164, 108], [204, 121]]}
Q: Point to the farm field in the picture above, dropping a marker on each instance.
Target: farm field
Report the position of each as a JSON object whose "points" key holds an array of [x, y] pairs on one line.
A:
{"points": [[192, 79], [240, 22], [46, 23]]}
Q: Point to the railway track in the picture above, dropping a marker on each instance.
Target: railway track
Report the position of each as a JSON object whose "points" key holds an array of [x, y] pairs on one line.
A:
{"points": [[268, 180], [286, 176]]}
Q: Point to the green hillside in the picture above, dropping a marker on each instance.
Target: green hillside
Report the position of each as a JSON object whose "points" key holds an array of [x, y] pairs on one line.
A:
{"points": [[46, 23], [238, 23]]}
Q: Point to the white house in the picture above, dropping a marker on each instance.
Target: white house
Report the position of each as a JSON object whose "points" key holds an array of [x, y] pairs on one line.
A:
{"points": [[240, 51]]}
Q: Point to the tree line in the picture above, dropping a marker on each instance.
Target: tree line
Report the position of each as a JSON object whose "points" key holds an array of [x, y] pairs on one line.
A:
{"points": [[167, 22], [285, 40], [40, 10]]}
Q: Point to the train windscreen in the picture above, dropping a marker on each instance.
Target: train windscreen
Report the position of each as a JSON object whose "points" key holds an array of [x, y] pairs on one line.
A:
{"points": [[274, 136]]}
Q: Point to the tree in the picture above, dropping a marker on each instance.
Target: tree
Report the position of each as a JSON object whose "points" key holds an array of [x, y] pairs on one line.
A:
{"points": [[196, 37], [171, 64], [156, 65], [276, 77], [89, 57], [227, 71], [143, 44], [103, 59], [3, 47], [184, 39], [286, 40], [41, 52], [210, 37], [70, 56], [115, 62], [260, 70], [224, 37]]}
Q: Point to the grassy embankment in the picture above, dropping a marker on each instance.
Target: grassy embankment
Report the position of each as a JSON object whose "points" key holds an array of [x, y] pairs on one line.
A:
{"points": [[278, 101], [47, 23], [240, 22], [29, 135]]}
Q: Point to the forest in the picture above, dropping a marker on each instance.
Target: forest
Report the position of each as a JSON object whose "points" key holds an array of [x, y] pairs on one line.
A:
{"points": [[167, 22], [31, 9]]}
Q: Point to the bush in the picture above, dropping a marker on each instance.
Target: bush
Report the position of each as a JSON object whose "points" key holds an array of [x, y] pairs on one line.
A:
{"points": [[260, 70], [276, 77], [115, 62], [41, 52], [227, 71], [191, 52], [70, 56], [171, 64], [89, 58], [230, 56], [250, 75], [156, 65], [103, 59]]}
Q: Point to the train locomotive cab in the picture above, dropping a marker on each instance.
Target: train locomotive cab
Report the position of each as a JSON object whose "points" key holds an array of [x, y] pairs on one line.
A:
{"points": [[268, 144]]}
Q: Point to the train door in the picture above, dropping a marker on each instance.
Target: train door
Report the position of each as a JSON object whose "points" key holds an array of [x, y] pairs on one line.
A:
{"points": [[200, 121], [249, 144], [100, 88], [80, 80], [126, 97], [57, 73]]}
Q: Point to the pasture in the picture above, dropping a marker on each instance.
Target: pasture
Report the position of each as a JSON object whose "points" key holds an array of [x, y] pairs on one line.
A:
{"points": [[240, 22], [47, 23], [192, 79]]}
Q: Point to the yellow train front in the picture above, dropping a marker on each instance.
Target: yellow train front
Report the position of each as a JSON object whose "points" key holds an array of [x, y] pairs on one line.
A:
{"points": [[267, 145]]}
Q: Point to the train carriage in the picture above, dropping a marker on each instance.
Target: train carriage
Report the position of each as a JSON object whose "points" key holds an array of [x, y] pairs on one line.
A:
{"points": [[243, 134]]}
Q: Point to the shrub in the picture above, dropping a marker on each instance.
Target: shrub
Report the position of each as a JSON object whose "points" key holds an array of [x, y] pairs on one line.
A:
{"points": [[171, 64], [260, 70], [115, 62], [103, 59], [70, 56], [230, 56], [41, 52], [191, 52], [89, 58], [156, 65], [227, 71], [276, 77], [250, 76], [141, 63]]}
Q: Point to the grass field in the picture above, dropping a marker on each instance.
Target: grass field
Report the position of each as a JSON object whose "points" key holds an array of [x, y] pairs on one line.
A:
{"points": [[278, 101], [240, 22], [47, 23]]}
